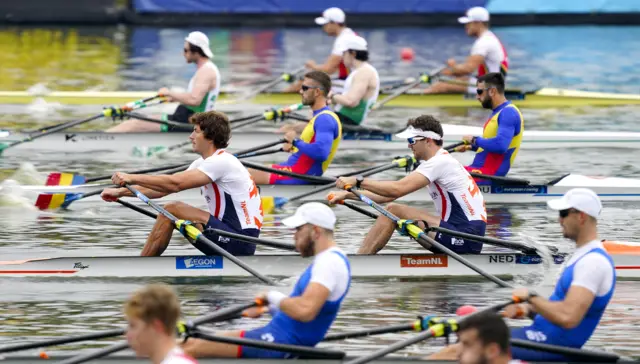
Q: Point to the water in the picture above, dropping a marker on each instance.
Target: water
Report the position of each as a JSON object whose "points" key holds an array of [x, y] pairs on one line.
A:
{"points": [[115, 58]]}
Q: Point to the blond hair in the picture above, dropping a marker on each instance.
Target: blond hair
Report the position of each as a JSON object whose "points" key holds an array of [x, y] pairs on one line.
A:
{"points": [[155, 302]]}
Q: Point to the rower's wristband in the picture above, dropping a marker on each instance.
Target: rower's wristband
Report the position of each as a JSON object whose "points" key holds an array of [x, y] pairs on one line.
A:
{"points": [[294, 141], [275, 298]]}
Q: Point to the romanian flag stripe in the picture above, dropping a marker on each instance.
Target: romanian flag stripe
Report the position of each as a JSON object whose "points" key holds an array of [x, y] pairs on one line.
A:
{"points": [[54, 201]]}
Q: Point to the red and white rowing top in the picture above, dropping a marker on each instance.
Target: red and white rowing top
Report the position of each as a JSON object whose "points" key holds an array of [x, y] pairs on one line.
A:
{"points": [[455, 194], [232, 196], [177, 356], [338, 48], [495, 56]]}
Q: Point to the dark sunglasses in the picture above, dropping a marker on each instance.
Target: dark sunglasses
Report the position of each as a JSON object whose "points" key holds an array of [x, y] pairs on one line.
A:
{"points": [[565, 213], [480, 91], [305, 88]]}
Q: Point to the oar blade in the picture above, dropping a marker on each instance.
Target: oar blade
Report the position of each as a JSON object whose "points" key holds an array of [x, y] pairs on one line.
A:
{"points": [[49, 201]]}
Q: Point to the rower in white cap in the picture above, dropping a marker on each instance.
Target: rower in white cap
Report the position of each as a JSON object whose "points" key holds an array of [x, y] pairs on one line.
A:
{"points": [[570, 316], [201, 94], [305, 316], [333, 22], [487, 55]]}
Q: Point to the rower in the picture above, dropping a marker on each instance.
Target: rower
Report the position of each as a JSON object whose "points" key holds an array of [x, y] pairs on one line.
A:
{"points": [[487, 55], [502, 134], [570, 316], [361, 88], [152, 315], [305, 316], [333, 23], [314, 150], [201, 95], [484, 338], [233, 200], [456, 196]]}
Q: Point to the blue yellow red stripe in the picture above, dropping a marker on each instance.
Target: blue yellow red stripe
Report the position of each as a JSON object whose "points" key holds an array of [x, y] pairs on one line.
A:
{"points": [[56, 200]]}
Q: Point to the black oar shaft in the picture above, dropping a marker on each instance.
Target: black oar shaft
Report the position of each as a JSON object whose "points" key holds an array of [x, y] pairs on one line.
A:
{"points": [[223, 313], [62, 340], [580, 355], [369, 332], [315, 179], [142, 171], [96, 354], [259, 153], [260, 147], [500, 179]]}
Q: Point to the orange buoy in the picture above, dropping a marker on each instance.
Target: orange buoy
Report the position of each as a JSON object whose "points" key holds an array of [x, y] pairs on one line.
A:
{"points": [[407, 54]]}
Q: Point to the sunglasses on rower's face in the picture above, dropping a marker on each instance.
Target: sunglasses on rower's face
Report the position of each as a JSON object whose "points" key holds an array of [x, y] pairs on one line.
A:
{"points": [[565, 213], [480, 91], [414, 140], [305, 88]]}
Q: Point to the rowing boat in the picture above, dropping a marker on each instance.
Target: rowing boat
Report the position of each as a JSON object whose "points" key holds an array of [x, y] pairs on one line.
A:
{"points": [[541, 98], [420, 264], [144, 143], [609, 189]]}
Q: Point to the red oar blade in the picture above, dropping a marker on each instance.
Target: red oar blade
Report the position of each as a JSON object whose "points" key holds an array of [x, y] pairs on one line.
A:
{"points": [[48, 201]]}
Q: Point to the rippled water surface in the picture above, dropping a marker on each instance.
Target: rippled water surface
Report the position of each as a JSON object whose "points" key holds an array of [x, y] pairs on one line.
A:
{"points": [[596, 58]]}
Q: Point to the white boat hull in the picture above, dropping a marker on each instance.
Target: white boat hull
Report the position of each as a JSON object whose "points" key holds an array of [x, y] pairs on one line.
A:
{"points": [[142, 143], [405, 265]]}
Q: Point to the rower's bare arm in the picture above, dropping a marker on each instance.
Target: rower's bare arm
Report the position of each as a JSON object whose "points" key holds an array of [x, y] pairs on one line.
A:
{"points": [[396, 189], [567, 313], [201, 85], [172, 183], [305, 308], [472, 63], [331, 65], [356, 92]]}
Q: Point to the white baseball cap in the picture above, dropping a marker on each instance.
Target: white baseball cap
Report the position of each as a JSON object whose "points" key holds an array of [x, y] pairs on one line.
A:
{"points": [[335, 15], [412, 132], [314, 213], [477, 13], [353, 42], [581, 199], [199, 39]]}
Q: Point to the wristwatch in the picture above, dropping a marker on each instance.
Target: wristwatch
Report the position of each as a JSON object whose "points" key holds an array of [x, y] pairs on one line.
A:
{"points": [[359, 180]]}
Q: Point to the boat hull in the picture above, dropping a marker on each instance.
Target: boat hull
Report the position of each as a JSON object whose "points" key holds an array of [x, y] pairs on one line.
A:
{"points": [[543, 98]]}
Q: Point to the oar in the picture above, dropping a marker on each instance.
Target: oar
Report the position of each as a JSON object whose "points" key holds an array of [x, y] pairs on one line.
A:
{"points": [[249, 239], [106, 112], [96, 354], [414, 326], [428, 243], [573, 353], [436, 330], [278, 202], [424, 78], [287, 77], [193, 234], [304, 177], [452, 148], [62, 340], [64, 199], [501, 180]]}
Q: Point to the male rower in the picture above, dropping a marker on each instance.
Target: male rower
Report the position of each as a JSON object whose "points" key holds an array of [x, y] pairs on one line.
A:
{"points": [[570, 316], [487, 55], [333, 22], [456, 196], [502, 134], [152, 314], [233, 200], [484, 339], [314, 150], [304, 317], [361, 88], [201, 94]]}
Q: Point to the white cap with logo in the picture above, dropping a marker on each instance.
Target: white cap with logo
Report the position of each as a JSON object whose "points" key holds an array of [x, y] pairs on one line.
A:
{"points": [[314, 213], [477, 13], [199, 39], [412, 132], [355, 43], [581, 199], [335, 15]]}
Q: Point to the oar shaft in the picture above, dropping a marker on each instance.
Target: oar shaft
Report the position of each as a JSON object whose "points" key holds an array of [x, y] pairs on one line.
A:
{"points": [[259, 153], [142, 171], [487, 239], [315, 179], [62, 340], [260, 147], [369, 332], [96, 354], [573, 353], [500, 179], [225, 312]]}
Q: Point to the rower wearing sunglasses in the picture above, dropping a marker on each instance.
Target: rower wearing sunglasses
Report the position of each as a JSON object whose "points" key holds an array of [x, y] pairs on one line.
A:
{"points": [[319, 139], [456, 197], [573, 311], [497, 148]]}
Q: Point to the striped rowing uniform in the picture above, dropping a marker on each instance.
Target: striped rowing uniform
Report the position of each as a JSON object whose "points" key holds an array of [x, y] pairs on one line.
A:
{"points": [[495, 57], [233, 200], [498, 147], [457, 199], [590, 267], [330, 269], [177, 356], [183, 112], [357, 114], [314, 150]]}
